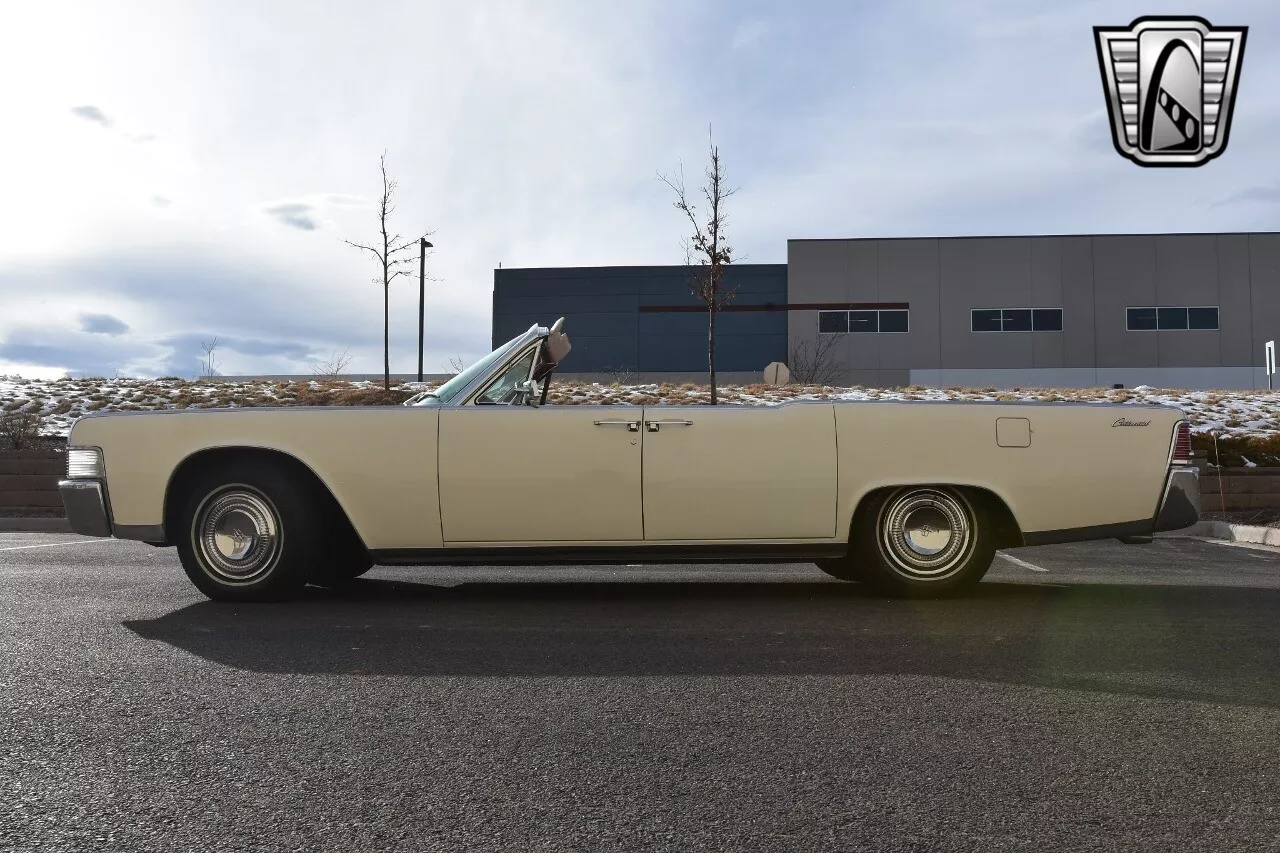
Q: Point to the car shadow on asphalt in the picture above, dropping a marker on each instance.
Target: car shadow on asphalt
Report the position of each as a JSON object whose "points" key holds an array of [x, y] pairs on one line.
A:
{"points": [[1185, 642]]}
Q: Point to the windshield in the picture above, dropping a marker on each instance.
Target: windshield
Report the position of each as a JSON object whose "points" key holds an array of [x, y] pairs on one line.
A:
{"points": [[500, 390], [446, 392]]}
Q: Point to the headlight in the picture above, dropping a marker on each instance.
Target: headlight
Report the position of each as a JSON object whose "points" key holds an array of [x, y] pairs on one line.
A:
{"points": [[85, 463]]}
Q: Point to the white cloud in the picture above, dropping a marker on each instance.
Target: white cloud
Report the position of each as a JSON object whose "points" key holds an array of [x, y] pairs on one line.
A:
{"points": [[89, 112]]}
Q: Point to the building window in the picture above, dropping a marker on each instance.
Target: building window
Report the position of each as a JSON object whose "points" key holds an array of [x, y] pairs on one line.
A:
{"points": [[838, 322], [985, 319], [1046, 319], [1141, 319], [1016, 319], [1173, 318], [894, 321], [833, 322], [1202, 318], [863, 321]]}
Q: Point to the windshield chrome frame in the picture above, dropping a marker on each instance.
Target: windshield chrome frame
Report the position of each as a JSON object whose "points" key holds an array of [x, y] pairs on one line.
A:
{"points": [[466, 395]]}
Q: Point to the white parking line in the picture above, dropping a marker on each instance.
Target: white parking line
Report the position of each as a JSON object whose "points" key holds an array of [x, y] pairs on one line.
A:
{"points": [[93, 541], [1032, 566]]}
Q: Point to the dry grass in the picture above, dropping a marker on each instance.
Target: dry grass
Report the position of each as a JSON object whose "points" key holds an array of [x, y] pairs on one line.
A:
{"points": [[1240, 413], [1231, 451]]}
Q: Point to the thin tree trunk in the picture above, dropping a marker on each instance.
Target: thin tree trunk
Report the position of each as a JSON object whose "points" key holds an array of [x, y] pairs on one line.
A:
{"points": [[711, 346], [386, 337]]}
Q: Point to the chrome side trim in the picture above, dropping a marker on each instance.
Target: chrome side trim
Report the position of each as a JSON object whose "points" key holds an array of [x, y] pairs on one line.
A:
{"points": [[608, 555], [85, 504]]}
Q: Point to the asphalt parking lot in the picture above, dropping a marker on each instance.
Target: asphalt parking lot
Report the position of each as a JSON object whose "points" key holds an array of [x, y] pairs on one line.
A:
{"points": [[1088, 697]]}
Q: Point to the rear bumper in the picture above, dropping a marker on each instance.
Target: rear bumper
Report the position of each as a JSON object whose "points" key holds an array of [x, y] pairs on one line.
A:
{"points": [[1180, 506], [85, 503]]}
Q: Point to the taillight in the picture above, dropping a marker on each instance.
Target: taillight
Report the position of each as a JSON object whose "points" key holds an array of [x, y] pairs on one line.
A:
{"points": [[1182, 444]]}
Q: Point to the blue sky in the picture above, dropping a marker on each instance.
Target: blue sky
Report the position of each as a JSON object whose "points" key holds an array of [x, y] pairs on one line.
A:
{"points": [[175, 171]]}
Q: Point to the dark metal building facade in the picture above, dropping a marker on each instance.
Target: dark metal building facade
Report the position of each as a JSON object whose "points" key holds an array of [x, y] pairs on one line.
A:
{"points": [[644, 319]]}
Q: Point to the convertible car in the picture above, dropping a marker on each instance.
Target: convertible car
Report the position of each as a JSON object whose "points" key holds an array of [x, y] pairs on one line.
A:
{"points": [[911, 498]]}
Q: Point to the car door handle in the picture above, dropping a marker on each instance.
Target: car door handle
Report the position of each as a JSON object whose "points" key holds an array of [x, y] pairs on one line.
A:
{"points": [[653, 425], [632, 426]]}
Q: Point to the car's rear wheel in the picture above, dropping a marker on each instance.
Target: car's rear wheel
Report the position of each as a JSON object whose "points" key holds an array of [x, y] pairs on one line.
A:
{"points": [[922, 542], [248, 533]]}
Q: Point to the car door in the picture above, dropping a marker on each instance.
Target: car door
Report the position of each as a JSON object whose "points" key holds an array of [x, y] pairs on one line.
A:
{"points": [[739, 473], [546, 474]]}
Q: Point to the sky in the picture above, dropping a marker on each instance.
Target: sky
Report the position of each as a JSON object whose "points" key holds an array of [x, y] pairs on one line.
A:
{"points": [[174, 172]]}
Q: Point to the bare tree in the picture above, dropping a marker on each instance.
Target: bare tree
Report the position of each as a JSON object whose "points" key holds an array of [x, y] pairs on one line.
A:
{"points": [[621, 374], [209, 364], [455, 366], [334, 367], [394, 258], [707, 252], [816, 364], [21, 428]]}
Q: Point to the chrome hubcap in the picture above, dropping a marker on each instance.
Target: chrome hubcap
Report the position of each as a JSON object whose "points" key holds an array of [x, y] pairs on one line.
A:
{"points": [[926, 534], [237, 535]]}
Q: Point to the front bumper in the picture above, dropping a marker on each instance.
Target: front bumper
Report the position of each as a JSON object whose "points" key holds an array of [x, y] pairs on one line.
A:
{"points": [[1180, 506], [85, 503]]}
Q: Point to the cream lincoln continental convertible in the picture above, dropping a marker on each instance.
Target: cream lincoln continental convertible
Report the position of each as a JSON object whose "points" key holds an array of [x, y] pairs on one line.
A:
{"points": [[911, 498]]}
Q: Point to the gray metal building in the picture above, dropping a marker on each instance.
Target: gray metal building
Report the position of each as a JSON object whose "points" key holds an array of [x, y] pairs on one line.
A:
{"points": [[1169, 310]]}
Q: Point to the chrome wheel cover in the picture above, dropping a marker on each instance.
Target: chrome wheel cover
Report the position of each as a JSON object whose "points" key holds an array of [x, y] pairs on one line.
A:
{"points": [[926, 534], [236, 533]]}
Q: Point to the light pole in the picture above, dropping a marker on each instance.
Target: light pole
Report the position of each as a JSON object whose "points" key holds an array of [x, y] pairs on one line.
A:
{"points": [[423, 245]]}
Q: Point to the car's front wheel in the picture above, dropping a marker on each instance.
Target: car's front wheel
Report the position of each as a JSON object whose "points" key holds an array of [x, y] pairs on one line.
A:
{"points": [[247, 534], [922, 542]]}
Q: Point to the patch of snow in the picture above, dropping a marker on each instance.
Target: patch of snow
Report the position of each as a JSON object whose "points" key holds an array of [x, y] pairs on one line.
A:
{"points": [[1228, 413]]}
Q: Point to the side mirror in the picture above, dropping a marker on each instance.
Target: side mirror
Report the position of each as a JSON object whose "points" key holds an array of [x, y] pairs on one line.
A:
{"points": [[527, 393]]}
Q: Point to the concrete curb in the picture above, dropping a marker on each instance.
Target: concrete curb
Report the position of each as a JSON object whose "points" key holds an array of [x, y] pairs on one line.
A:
{"points": [[1232, 532], [35, 525]]}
